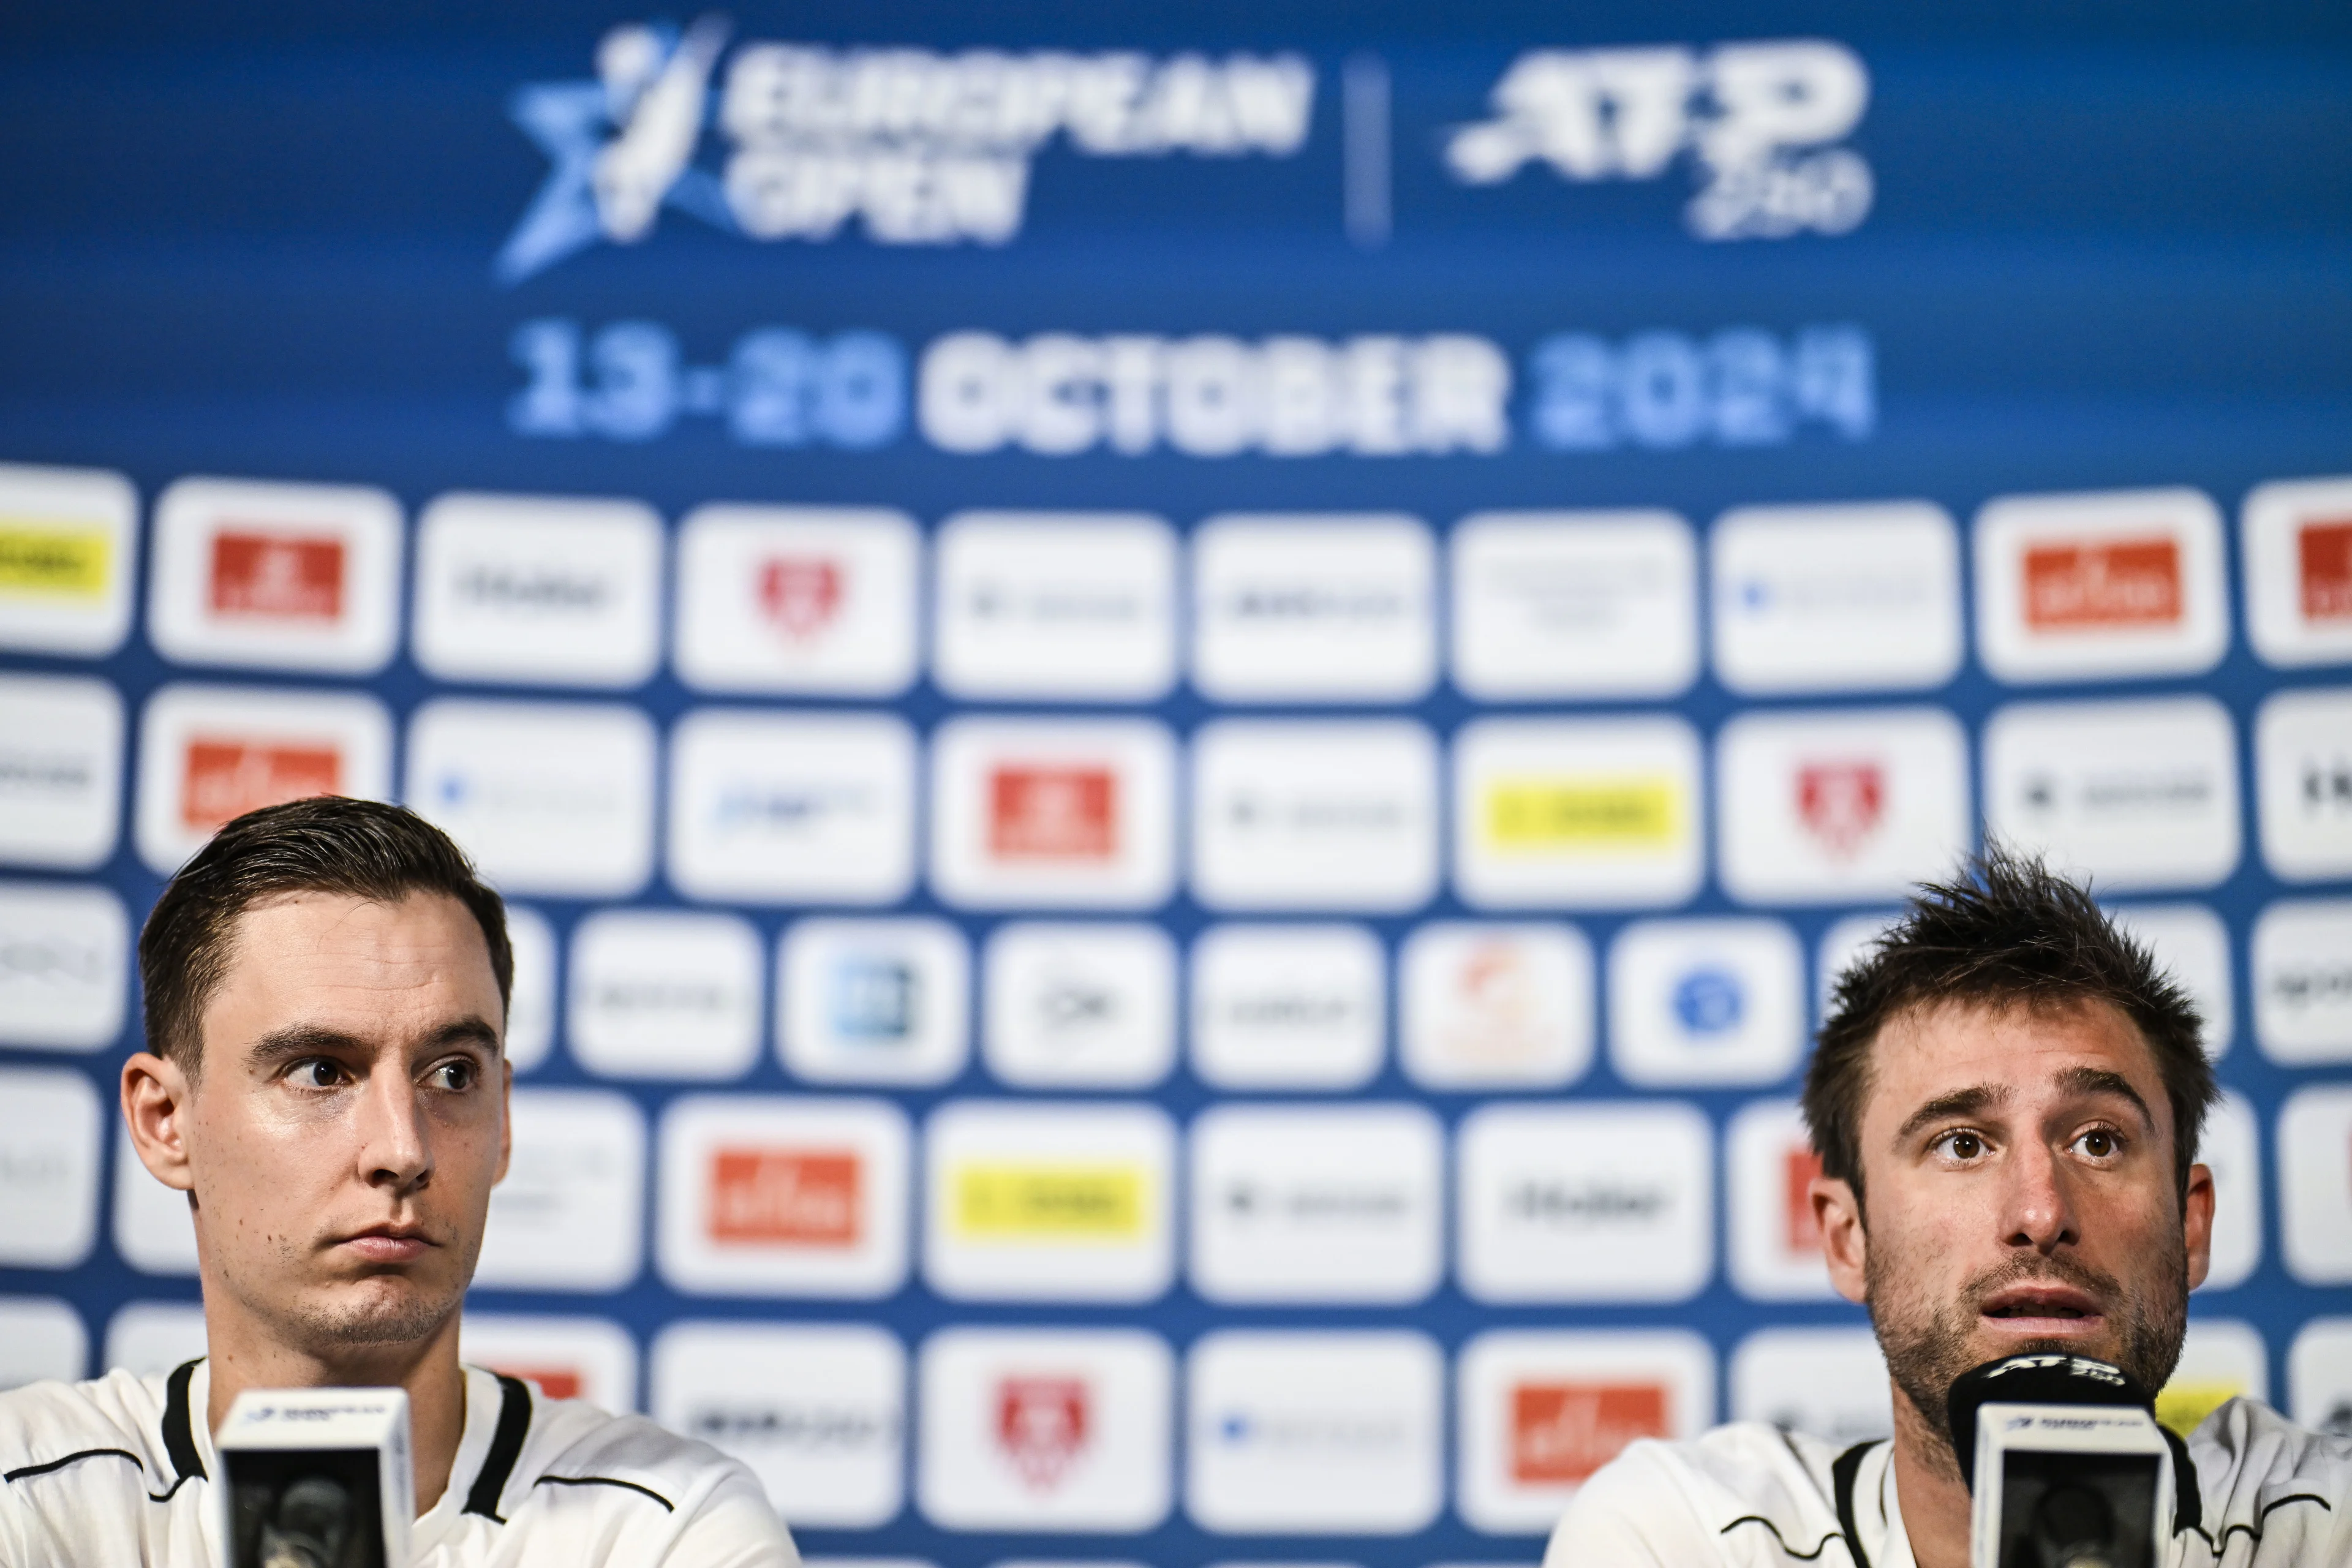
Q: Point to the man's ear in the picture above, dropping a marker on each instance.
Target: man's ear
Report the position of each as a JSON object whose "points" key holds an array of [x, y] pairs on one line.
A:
{"points": [[2197, 1223], [1837, 1211], [155, 1095]]}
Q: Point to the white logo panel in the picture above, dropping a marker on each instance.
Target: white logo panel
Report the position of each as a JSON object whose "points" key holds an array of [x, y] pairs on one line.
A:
{"points": [[211, 754], [2134, 794], [1836, 598], [1331, 1204], [2301, 961], [1829, 1384], [1496, 1005], [567, 1358], [1301, 608], [549, 798], [2319, 1376], [2191, 946], [64, 965], [1283, 1007], [1074, 1005], [1768, 1169], [41, 1339], [1705, 1002], [531, 1006], [1837, 809], [1324, 1433], [1054, 1203], [1586, 1203], [148, 1339], [773, 809], [154, 1229], [2229, 1147], [68, 554], [797, 599], [1045, 1429], [2298, 548], [1541, 1412], [569, 1217], [1074, 606], [874, 1002], [2097, 586], [2303, 774], [1314, 816], [60, 770], [664, 993], [50, 1135], [2220, 1359], [1577, 813], [1568, 604], [2314, 1157], [303, 577], [1047, 813], [1848, 943], [818, 1412], [538, 591], [767, 1195]]}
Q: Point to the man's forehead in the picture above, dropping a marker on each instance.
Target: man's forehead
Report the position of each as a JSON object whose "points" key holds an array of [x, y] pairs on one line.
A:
{"points": [[319, 948], [2025, 1047]]}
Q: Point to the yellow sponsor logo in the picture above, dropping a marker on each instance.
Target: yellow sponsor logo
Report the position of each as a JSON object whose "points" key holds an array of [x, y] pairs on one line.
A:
{"points": [[59, 559], [1050, 1203], [2182, 1404], [1588, 812]]}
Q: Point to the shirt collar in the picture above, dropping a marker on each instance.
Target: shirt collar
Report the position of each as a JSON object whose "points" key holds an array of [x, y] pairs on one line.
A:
{"points": [[483, 1399]]}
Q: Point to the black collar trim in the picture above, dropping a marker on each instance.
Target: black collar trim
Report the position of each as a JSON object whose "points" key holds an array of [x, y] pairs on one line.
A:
{"points": [[1843, 1475], [180, 1426], [506, 1447]]}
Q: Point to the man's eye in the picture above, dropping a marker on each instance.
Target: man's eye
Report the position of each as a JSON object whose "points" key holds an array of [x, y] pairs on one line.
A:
{"points": [[455, 1076], [2099, 1143], [318, 1073], [1963, 1145]]}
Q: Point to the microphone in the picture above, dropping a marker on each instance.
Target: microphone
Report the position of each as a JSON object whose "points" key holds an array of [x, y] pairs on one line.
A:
{"points": [[316, 1478], [2066, 1464]]}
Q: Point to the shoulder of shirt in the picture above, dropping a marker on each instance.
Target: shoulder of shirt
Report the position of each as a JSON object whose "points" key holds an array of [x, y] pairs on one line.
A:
{"points": [[2256, 1470], [1743, 1474], [574, 1442], [48, 1426]]}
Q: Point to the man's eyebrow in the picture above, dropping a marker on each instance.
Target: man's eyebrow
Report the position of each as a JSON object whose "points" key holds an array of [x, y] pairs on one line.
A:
{"points": [[1960, 1102], [467, 1031], [2100, 1080], [301, 1040]]}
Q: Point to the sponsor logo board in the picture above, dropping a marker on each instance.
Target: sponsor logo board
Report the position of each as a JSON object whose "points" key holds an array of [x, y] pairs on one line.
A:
{"points": [[2121, 583], [148, 1339], [50, 1138], [1045, 1429], [1289, 1006], [2314, 1157], [1836, 598], [568, 1215], [2319, 1376], [303, 577], [1079, 1005], [568, 1358], [539, 590], [2229, 1146], [775, 1195], [210, 753], [2137, 794], [1768, 1167], [2301, 958], [1307, 608], [547, 798], [2220, 1359], [1541, 1413], [875, 1000], [1071, 1202], [2192, 947], [1847, 943], [1579, 814], [69, 554], [664, 994], [797, 599], [1569, 604], [154, 1228], [41, 1338], [64, 965], [1585, 1202], [2298, 560], [1322, 1433], [1330, 1204], [817, 1411], [777, 809], [1829, 1384], [2303, 774], [1837, 809], [1494, 1005], [1332, 816], [1705, 1002], [1054, 813], [531, 1006], [60, 770], [1080, 607]]}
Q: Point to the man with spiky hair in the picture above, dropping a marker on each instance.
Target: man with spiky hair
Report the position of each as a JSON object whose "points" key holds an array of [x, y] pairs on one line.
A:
{"points": [[2006, 1100], [325, 1078]]}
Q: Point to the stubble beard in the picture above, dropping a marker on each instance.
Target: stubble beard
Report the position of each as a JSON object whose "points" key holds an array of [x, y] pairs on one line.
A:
{"points": [[374, 1313]]}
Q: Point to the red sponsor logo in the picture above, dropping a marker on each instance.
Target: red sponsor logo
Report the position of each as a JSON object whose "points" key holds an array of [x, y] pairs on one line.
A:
{"points": [[2114, 582], [555, 1382], [1841, 803], [800, 593], [1799, 1166], [2324, 553], [1053, 811], [803, 1196], [1562, 1432], [280, 577], [226, 778], [1042, 1424]]}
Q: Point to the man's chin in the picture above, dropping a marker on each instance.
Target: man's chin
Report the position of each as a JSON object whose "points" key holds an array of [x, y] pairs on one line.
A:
{"points": [[380, 1311], [1996, 1339]]}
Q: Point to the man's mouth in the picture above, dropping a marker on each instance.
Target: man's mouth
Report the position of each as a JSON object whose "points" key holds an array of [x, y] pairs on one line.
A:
{"points": [[390, 1243], [2044, 1309]]}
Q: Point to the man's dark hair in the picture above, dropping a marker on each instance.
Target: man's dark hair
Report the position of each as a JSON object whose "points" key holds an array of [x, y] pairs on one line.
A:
{"points": [[2007, 932], [328, 844]]}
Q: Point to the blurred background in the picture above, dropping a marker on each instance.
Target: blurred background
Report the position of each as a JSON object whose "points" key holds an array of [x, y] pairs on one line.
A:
{"points": [[1184, 711]]}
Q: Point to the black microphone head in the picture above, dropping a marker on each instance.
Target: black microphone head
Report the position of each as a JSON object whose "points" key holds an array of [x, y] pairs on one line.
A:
{"points": [[2050, 1379]]}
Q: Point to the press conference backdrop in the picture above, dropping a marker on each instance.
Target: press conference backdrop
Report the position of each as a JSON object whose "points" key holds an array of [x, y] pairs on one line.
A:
{"points": [[1183, 712]]}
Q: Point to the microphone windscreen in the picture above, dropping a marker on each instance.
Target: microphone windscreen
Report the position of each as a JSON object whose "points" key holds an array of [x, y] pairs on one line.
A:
{"points": [[2050, 1379]]}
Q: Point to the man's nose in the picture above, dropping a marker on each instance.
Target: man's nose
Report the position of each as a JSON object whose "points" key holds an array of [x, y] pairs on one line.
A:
{"points": [[2038, 1210], [394, 1150]]}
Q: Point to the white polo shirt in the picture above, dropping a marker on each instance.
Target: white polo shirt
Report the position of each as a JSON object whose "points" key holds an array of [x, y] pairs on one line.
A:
{"points": [[2258, 1491], [117, 1472]]}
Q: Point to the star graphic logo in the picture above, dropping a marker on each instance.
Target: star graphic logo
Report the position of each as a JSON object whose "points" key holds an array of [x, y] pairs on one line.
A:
{"points": [[621, 148]]}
